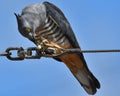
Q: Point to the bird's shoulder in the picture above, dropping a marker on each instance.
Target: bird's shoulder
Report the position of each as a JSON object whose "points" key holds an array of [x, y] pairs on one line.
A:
{"points": [[62, 21]]}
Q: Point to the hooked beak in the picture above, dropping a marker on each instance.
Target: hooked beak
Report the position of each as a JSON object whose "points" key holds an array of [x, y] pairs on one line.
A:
{"points": [[32, 36]]}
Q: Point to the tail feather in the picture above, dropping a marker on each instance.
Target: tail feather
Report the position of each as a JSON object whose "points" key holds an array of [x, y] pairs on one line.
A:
{"points": [[79, 68], [87, 81]]}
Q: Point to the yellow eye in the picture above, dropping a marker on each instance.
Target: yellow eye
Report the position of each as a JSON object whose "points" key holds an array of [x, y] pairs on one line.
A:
{"points": [[28, 29]]}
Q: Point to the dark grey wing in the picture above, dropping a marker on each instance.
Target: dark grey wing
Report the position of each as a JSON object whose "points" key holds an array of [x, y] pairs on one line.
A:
{"points": [[63, 23], [59, 17]]}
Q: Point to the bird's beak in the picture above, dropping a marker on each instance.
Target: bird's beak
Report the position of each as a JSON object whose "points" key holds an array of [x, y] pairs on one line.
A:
{"points": [[31, 36]]}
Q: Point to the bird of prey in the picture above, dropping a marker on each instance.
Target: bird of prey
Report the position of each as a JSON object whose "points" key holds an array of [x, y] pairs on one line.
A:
{"points": [[44, 23]]}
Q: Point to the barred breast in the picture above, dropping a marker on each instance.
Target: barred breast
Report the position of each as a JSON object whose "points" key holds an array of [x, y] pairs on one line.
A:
{"points": [[52, 32]]}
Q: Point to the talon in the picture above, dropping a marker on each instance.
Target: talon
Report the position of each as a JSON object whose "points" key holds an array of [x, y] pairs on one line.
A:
{"points": [[49, 48], [45, 41]]}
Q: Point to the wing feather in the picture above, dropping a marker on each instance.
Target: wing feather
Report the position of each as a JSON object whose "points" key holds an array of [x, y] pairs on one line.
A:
{"points": [[63, 23], [84, 76], [65, 26]]}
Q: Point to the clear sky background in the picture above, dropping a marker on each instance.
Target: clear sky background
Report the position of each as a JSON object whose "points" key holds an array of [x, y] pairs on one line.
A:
{"points": [[96, 24]]}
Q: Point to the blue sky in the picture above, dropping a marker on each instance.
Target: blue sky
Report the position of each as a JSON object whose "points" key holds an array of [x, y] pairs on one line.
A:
{"points": [[96, 24]]}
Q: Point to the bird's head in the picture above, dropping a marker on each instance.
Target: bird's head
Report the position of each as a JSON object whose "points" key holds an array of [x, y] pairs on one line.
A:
{"points": [[31, 20], [26, 25]]}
